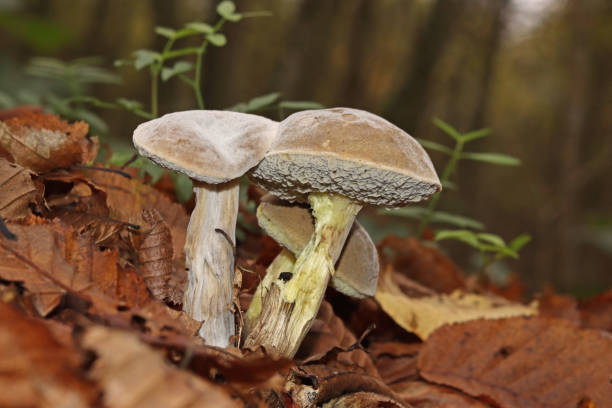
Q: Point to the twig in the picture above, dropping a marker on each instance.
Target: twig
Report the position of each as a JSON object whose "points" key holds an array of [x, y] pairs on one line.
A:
{"points": [[6, 232], [121, 173]]}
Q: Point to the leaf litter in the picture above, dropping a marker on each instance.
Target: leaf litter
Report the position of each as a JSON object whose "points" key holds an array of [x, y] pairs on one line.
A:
{"points": [[92, 285]]}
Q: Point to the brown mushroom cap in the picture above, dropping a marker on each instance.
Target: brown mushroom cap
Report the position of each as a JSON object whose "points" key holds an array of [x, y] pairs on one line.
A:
{"points": [[291, 226], [209, 146], [349, 152]]}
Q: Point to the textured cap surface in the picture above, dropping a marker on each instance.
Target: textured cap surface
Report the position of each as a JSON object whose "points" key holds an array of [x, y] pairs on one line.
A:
{"points": [[209, 146], [291, 225], [350, 152]]}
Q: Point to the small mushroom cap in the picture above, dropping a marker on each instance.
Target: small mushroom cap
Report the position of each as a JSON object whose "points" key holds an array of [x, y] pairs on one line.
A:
{"points": [[350, 152], [291, 225], [207, 145]]}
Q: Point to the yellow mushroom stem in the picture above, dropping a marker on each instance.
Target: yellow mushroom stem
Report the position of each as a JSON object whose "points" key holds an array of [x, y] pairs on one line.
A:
{"points": [[290, 306]]}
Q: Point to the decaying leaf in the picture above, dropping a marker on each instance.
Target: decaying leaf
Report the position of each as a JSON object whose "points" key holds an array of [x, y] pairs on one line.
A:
{"points": [[17, 191], [395, 361], [132, 374], [363, 400], [36, 370], [522, 362], [422, 264], [42, 142], [155, 254], [328, 332], [597, 312], [421, 394], [313, 385], [423, 315]]}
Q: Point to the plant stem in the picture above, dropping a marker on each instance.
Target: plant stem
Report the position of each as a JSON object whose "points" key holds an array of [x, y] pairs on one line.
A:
{"points": [[154, 89], [198, 75], [448, 171]]}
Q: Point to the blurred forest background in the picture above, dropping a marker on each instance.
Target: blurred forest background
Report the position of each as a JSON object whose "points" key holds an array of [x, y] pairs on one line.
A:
{"points": [[538, 73]]}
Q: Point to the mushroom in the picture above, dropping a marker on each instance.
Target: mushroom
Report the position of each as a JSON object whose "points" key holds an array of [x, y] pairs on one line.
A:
{"points": [[338, 160], [214, 148], [291, 226]]}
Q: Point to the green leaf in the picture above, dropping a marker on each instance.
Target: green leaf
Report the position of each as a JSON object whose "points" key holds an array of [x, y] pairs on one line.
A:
{"points": [[464, 236], [460, 221], [123, 62], [446, 128], [449, 185], [200, 27], [428, 144], [492, 239], [144, 58], [475, 134], [179, 67], [217, 39], [226, 8], [300, 105], [519, 242], [493, 158], [500, 252], [165, 32], [255, 104], [129, 104]]}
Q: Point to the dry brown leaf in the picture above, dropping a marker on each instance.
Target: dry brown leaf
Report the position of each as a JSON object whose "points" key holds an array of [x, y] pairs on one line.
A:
{"points": [[422, 264], [596, 313], [522, 362], [17, 191], [313, 385], [133, 375], [38, 371], [423, 315], [395, 361], [551, 304], [43, 142], [328, 332], [421, 394], [363, 400], [155, 254]]}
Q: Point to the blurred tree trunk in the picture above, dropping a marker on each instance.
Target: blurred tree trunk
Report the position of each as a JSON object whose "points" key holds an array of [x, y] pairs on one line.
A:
{"points": [[490, 50], [406, 107]]}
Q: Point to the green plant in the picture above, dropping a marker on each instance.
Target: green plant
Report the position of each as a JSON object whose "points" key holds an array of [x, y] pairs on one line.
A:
{"points": [[471, 232]]}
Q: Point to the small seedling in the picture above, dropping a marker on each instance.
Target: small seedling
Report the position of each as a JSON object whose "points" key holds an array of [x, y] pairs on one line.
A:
{"points": [[491, 246]]}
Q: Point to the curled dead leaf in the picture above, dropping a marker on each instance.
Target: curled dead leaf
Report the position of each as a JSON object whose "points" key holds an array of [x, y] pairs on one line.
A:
{"points": [[521, 362], [155, 254], [43, 142], [17, 191]]}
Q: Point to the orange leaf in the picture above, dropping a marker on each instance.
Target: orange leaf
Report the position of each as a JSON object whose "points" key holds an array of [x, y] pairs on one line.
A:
{"points": [[521, 362]]}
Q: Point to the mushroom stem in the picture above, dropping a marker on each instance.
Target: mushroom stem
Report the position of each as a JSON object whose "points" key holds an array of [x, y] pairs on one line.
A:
{"points": [[290, 307], [283, 262], [209, 250]]}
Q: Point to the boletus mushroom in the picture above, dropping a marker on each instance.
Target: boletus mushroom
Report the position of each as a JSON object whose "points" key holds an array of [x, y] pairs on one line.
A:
{"points": [[337, 160], [214, 148], [291, 225]]}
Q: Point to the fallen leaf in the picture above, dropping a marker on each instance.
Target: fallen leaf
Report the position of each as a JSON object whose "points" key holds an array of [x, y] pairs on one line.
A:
{"points": [[363, 400], [155, 254], [43, 142], [421, 394], [551, 304], [17, 191], [312, 385], [521, 362], [422, 315], [133, 375], [423, 264], [328, 332], [37, 370], [596, 313], [395, 361]]}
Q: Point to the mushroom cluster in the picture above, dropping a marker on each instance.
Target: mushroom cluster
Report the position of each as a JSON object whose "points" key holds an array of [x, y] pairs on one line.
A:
{"points": [[336, 160]]}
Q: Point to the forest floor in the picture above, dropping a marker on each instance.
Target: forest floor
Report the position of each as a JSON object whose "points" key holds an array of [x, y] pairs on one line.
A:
{"points": [[91, 280]]}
